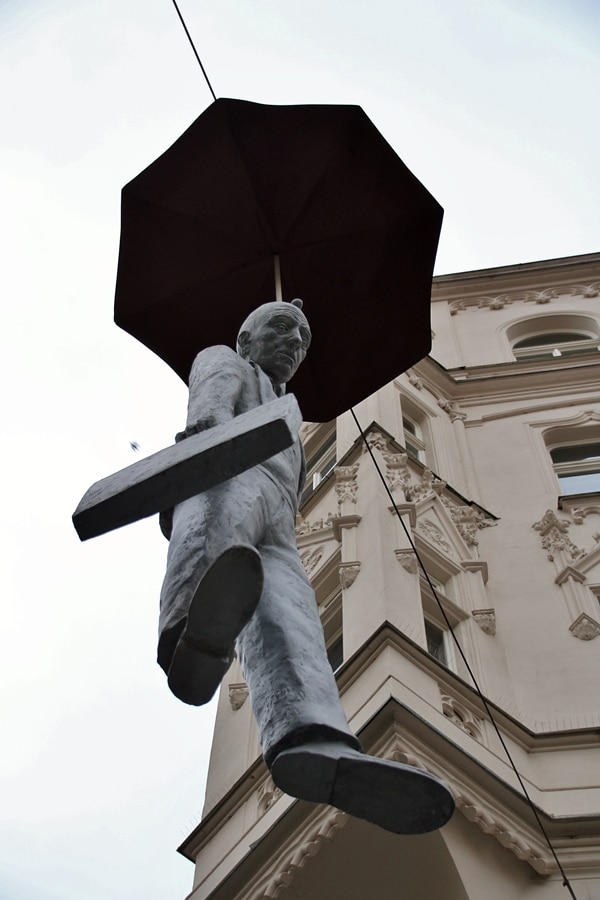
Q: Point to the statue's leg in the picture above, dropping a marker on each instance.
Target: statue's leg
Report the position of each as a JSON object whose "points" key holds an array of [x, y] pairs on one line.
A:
{"points": [[305, 737], [204, 527], [282, 651]]}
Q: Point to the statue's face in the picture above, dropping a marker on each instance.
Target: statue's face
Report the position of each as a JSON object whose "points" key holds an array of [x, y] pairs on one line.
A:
{"points": [[277, 342]]}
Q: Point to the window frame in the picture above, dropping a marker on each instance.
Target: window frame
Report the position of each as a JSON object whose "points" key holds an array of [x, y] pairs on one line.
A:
{"points": [[321, 459], [576, 469], [583, 329]]}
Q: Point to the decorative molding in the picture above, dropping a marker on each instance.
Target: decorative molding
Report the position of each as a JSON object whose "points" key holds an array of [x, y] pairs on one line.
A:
{"points": [[397, 474], [303, 526], [346, 484], [524, 841], [476, 565], [376, 441], [297, 853], [486, 619], [427, 485], [553, 532], [311, 559], [538, 297], [434, 534], [585, 628], [578, 513], [452, 408], [339, 522], [408, 560], [569, 572], [468, 520], [461, 716], [405, 509], [238, 694], [348, 572], [267, 794], [414, 379]]}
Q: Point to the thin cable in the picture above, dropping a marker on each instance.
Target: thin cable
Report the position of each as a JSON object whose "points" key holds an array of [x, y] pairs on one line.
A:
{"points": [[566, 882], [194, 49]]}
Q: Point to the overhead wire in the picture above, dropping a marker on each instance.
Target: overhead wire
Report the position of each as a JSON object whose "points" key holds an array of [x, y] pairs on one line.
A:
{"points": [[484, 701], [189, 37]]}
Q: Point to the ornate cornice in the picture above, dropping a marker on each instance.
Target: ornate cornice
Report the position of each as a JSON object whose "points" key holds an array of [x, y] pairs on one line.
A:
{"points": [[540, 297], [293, 855]]}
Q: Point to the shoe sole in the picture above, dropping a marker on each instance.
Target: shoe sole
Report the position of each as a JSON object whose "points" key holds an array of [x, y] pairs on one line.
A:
{"points": [[223, 604], [394, 796]]}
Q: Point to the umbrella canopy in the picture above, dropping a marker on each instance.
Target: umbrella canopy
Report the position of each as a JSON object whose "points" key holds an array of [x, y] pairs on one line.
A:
{"points": [[317, 186]]}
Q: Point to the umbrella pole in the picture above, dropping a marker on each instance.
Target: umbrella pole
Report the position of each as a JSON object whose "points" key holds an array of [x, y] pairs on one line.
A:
{"points": [[278, 291]]}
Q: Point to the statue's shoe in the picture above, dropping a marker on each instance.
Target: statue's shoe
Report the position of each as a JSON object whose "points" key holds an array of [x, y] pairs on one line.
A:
{"points": [[397, 797], [224, 602]]}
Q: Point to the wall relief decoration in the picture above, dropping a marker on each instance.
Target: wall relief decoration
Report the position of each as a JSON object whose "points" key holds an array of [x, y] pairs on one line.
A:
{"points": [[553, 532], [538, 297], [486, 619], [238, 694], [585, 628]]}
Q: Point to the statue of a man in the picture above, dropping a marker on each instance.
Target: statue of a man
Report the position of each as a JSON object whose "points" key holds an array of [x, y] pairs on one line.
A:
{"points": [[235, 580]]}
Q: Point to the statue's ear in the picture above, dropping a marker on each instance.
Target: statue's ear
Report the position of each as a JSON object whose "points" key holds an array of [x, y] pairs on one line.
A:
{"points": [[244, 342]]}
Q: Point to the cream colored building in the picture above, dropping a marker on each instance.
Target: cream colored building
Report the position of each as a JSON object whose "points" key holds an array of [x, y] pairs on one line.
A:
{"points": [[489, 450]]}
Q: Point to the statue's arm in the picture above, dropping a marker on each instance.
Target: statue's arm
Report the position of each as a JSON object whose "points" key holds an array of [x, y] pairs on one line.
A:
{"points": [[216, 382]]}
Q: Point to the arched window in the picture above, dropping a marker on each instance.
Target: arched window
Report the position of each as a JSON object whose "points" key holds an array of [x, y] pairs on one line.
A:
{"points": [[545, 337]]}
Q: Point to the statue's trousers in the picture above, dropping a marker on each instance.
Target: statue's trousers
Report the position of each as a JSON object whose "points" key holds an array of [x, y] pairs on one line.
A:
{"points": [[282, 649]]}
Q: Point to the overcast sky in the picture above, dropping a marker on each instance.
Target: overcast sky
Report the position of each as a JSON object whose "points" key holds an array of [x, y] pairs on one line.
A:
{"points": [[492, 103]]}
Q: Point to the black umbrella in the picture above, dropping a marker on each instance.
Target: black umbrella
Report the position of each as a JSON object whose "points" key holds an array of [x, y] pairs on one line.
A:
{"points": [[315, 190]]}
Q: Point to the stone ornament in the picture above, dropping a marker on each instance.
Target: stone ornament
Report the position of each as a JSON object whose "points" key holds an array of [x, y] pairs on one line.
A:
{"points": [[585, 628], [461, 716], [408, 560], [555, 539], [468, 521], [238, 694], [452, 408], [397, 474], [486, 619], [311, 559], [267, 794], [376, 441], [346, 484], [434, 534], [304, 526], [414, 379], [348, 572]]}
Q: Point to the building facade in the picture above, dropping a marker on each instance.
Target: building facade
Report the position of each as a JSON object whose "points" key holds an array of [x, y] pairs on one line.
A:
{"points": [[459, 537]]}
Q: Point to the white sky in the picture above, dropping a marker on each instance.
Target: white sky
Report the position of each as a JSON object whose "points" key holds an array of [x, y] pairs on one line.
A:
{"points": [[494, 106]]}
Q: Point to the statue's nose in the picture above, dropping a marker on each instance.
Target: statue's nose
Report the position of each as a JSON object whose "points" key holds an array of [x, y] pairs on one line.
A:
{"points": [[294, 339]]}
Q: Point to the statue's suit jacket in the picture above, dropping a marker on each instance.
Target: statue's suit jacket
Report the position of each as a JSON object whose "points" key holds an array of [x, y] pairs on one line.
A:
{"points": [[282, 649]]}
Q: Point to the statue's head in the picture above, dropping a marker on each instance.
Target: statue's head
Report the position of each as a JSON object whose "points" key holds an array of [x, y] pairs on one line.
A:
{"points": [[276, 337]]}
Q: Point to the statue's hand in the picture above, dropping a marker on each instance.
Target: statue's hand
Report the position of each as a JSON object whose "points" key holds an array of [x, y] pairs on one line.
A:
{"points": [[198, 426]]}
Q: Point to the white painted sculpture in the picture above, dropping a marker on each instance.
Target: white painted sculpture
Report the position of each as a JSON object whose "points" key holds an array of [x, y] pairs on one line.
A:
{"points": [[234, 579]]}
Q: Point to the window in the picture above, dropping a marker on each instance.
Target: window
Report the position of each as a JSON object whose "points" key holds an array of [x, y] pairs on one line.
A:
{"points": [[333, 629], [335, 653], [436, 642], [319, 464], [413, 439], [435, 593], [554, 343], [577, 466], [547, 337]]}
